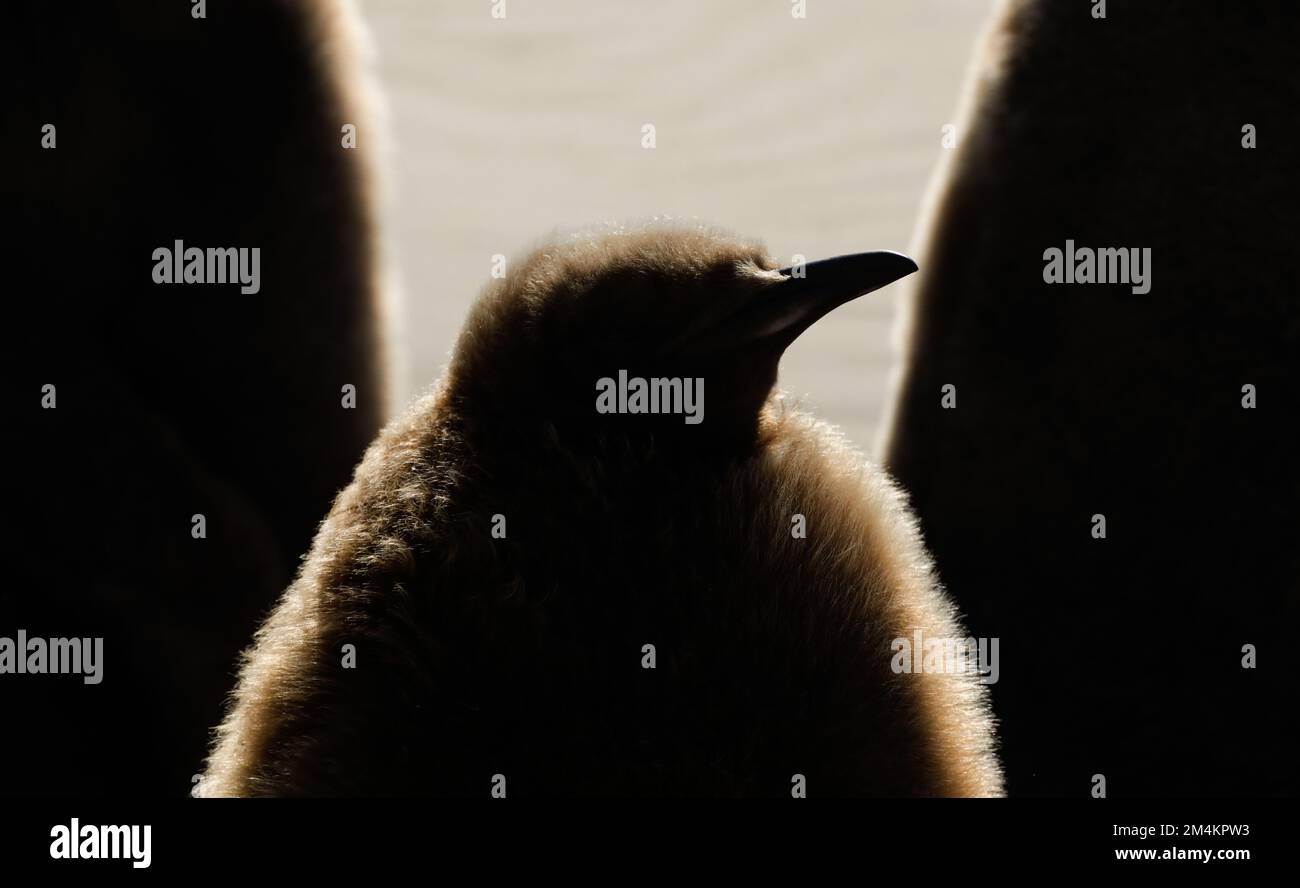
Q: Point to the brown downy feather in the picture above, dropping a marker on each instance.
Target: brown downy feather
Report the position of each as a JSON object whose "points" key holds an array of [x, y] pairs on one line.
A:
{"points": [[1075, 400], [523, 656], [174, 399]]}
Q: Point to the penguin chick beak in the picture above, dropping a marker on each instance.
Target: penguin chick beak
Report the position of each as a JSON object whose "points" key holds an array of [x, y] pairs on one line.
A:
{"points": [[799, 302], [780, 312]]}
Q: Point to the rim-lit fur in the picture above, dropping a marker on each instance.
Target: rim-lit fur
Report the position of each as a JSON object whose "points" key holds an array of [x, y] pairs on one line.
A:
{"points": [[522, 656]]}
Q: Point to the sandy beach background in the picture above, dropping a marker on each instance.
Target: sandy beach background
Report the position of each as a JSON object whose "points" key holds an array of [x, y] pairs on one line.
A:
{"points": [[817, 136]]}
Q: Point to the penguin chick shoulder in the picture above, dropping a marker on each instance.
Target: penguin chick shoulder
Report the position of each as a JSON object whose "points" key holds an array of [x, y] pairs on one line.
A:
{"points": [[521, 593]]}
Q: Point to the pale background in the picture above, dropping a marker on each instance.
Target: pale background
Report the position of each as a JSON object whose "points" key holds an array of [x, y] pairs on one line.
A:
{"points": [[817, 136]]}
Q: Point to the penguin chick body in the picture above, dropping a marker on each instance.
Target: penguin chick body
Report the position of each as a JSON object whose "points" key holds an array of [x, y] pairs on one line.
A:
{"points": [[643, 620]]}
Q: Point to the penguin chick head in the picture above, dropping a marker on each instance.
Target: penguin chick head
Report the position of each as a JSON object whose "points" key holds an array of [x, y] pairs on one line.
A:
{"points": [[665, 334]]}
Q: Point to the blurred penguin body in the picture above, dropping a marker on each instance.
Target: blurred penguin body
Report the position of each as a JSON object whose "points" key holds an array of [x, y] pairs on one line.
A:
{"points": [[1122, 402], [137, 126], [645, 622]]}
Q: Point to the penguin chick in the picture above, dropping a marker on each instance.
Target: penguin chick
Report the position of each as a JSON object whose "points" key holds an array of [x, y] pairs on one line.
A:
{"points": [[1074, 404], [178, 401], [520, 593]]}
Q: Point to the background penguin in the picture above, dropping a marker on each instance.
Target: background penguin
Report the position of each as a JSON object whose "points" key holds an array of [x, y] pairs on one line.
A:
{"points": [[1122, 656], [522, 656], [173, 400]]}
